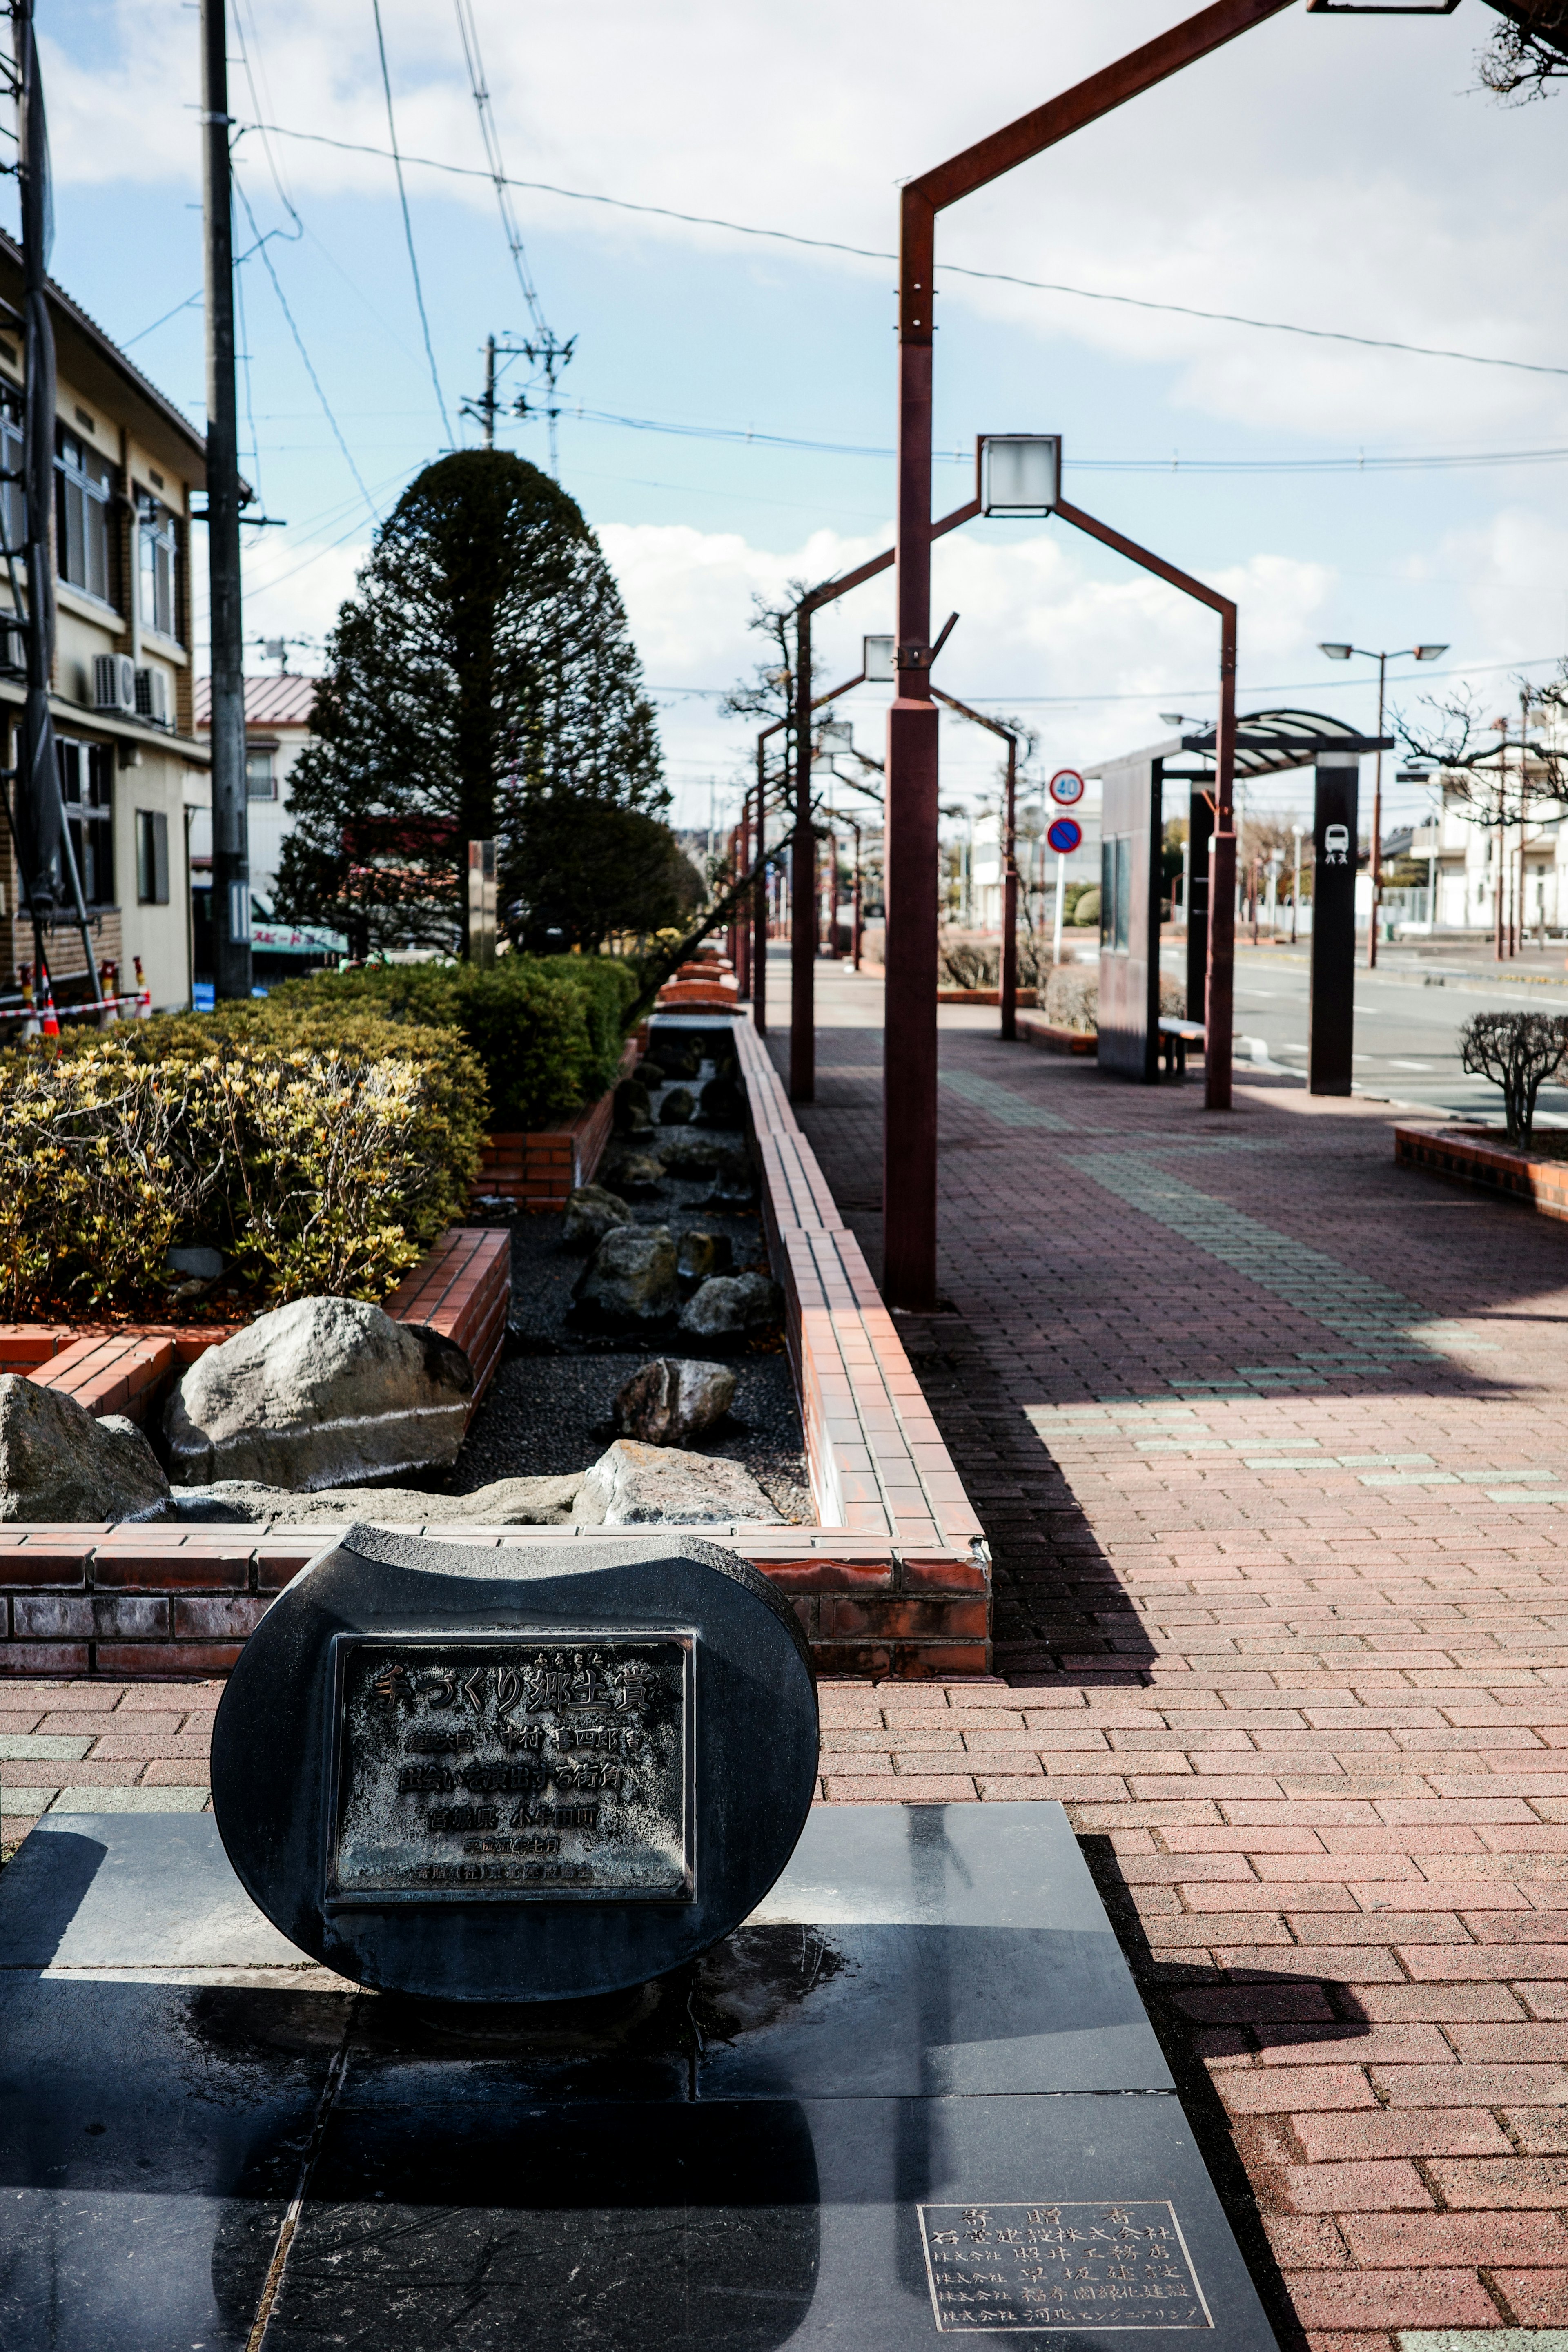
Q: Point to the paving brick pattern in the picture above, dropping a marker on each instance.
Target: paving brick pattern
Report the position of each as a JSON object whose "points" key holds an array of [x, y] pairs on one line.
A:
{"points": [[1268, 1437]]}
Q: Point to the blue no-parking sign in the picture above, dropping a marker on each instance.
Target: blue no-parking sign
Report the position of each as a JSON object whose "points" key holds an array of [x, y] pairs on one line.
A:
{"points": [[1065, 835]]}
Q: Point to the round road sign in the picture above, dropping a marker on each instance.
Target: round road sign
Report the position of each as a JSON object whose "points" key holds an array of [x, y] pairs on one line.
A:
{"points": [[1064, 835], [1067, 787]]}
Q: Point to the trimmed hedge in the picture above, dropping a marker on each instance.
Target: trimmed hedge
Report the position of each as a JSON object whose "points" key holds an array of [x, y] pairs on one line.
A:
{"points": [[318, 1153], [547, 1030]]}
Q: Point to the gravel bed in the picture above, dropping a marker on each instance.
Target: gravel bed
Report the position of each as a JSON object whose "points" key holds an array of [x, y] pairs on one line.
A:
{"points": [[548, 1409]]}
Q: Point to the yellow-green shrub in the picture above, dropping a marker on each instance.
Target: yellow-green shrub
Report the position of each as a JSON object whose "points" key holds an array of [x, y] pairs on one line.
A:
{"points": [[323, 1156]]}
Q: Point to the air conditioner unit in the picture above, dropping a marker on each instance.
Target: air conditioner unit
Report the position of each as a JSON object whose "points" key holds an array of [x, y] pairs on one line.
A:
{"points": [[13, 647], [153, 699], [114, 683]]}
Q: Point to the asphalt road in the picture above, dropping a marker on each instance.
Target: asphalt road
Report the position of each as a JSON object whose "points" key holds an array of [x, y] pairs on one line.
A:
{"points": [[1408, 1016]]}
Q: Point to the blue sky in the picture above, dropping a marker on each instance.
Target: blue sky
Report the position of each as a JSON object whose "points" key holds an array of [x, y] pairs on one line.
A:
{"points": [[1339, 173]]}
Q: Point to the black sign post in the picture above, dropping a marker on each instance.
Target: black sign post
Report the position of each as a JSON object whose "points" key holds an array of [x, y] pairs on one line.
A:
{"points": [[1200, 832], [1330, 1018]]}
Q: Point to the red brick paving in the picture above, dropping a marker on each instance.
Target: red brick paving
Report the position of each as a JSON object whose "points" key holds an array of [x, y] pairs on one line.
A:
{"points": [[1312, 1731]]}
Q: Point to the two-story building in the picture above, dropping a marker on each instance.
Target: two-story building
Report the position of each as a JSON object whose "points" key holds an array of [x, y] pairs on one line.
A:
{"points": [[132, 768]]}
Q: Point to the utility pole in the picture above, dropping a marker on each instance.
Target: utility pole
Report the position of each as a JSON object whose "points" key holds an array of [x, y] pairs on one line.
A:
{"points": [[485, 406], [231, 831]]}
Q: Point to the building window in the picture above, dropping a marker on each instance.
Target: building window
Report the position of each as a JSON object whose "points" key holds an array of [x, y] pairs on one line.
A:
{"points": [[260, 777], [82, 494], [13, 502], [151, 857], [159, 536], [86, 787]]}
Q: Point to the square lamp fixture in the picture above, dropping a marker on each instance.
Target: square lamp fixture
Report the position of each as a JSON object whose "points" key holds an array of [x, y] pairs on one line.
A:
{"points": [[877, 661], [1021, 473], [835, 735]]}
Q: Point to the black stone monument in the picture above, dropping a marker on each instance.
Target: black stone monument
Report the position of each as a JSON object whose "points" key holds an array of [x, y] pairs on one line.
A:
{"points": [[504, 1773]]}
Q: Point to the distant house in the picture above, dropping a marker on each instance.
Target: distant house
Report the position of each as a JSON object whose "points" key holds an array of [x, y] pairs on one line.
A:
{"points": [[132, 771], [276, 729]]}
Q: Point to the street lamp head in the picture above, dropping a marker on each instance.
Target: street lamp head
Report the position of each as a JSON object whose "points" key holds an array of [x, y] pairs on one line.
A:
{"points": [[1337, 653], [1170, 717], [1021, 473], [877, 661], [1429, 653], [836, 735]]}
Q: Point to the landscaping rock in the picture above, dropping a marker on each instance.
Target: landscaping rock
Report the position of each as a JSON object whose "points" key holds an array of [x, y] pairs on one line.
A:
{"points": [[57, 1461], [673, 1399], [323, 1392], [729, 1305], [633, 1107], [505, 1503], [630, 1170], [678, 1057], [721, 1103], [635, 1485], [676, 1109], [700, 1254], [649, 1072], [631, 1276], [591, 1214], [690, 1152]]}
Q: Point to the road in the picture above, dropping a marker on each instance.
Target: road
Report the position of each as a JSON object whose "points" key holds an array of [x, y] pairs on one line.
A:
{"points": [[1407, 1023]]}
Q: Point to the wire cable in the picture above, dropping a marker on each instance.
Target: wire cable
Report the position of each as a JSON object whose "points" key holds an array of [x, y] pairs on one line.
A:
{"points": [[873, 253], [304, 354], [469, 31], [408, 224]]}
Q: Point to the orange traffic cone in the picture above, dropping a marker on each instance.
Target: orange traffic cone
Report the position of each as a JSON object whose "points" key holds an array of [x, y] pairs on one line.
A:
{"points": [[49, 1024]]}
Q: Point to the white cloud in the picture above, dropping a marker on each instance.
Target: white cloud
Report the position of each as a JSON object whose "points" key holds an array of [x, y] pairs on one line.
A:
{"points": [[1338, 174]]}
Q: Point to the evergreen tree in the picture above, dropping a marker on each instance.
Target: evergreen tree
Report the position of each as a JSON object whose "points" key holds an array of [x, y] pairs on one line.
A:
{"points": [[481, 685]]}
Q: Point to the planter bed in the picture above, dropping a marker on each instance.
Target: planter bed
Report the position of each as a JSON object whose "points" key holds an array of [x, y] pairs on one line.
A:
{"points": [[1035, 1031], [892, 1578], [1479, 1155], [981, 996], [539, 1171]]}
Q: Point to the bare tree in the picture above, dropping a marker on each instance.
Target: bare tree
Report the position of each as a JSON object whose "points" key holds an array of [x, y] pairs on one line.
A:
{"points": [[1518, 1051], [1498, 782], [1528, 53]]}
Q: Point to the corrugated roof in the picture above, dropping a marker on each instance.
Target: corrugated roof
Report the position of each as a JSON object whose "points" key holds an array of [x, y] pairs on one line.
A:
{"points": [[276, 701]]}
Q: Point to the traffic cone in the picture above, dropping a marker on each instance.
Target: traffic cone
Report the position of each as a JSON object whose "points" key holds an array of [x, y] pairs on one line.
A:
{"points": [[108, 996], [48, 1024], [143, 993]]}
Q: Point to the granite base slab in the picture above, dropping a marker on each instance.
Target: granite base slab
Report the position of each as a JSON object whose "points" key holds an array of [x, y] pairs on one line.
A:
{"points": [[908, 2098]]}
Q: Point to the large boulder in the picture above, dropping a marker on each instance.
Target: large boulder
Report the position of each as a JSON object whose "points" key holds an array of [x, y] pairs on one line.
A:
{"points": [[687, 1152], [633, 1109], [505, 1503], [676, 1106], [591, 1214], [57, 1461], [322, 1392], [627, 1169], [631, 1277], [730, 1305], [673, 1399], [721, 1103], [633, 1486]]}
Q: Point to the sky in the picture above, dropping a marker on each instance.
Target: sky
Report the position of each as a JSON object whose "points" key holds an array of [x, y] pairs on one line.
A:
{"points": [[1329, 173]]}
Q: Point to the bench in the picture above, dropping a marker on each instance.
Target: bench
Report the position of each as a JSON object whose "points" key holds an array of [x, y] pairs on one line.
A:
{"points": [[1176, 1036]]}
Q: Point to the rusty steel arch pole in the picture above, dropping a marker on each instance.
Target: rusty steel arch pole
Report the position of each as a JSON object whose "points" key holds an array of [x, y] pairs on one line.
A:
{"points": [[909, 1062]]}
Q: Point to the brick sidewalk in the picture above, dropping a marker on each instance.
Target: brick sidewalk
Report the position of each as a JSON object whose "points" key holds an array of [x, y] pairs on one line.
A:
{"points": [[1269, 1443]]}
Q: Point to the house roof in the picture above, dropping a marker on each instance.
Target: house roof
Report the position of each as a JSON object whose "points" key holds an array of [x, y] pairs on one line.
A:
{"points": [[100, 370], [282, 700]]}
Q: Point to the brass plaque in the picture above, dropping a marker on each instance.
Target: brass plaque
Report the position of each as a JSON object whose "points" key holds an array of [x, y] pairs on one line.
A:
{"points": [[499, 1767], [1002, 2269]]}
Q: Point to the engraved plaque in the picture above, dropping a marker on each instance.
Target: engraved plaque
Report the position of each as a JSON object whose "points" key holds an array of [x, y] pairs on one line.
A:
{"points": [[1007, 2267], [500, 1766]]}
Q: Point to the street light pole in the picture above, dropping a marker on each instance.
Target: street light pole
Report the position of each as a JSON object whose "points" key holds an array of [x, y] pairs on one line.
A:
{"points": [[1375, 858], [909, 1097], [1008, 976]]}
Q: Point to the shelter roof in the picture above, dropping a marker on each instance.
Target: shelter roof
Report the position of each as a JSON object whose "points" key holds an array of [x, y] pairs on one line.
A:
{"points": [[1268, 742]]}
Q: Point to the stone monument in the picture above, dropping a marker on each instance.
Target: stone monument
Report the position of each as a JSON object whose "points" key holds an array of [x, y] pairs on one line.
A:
{"points": [[502, 1773]]}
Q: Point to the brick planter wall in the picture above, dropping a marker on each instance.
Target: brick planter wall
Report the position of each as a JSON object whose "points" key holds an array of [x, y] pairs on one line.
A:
{"points": [[1481, 1157], [1036, 1030], [894, 1580], [541, 1172]]}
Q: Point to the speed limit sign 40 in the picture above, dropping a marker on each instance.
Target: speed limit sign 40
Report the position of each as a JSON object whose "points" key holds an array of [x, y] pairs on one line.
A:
{"points": [[1067, 787]]}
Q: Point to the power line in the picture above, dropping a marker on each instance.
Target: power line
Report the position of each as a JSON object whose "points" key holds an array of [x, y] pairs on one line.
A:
{"points": [[407, 224], [871, 253], [1177, 693], [299, 347]]}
